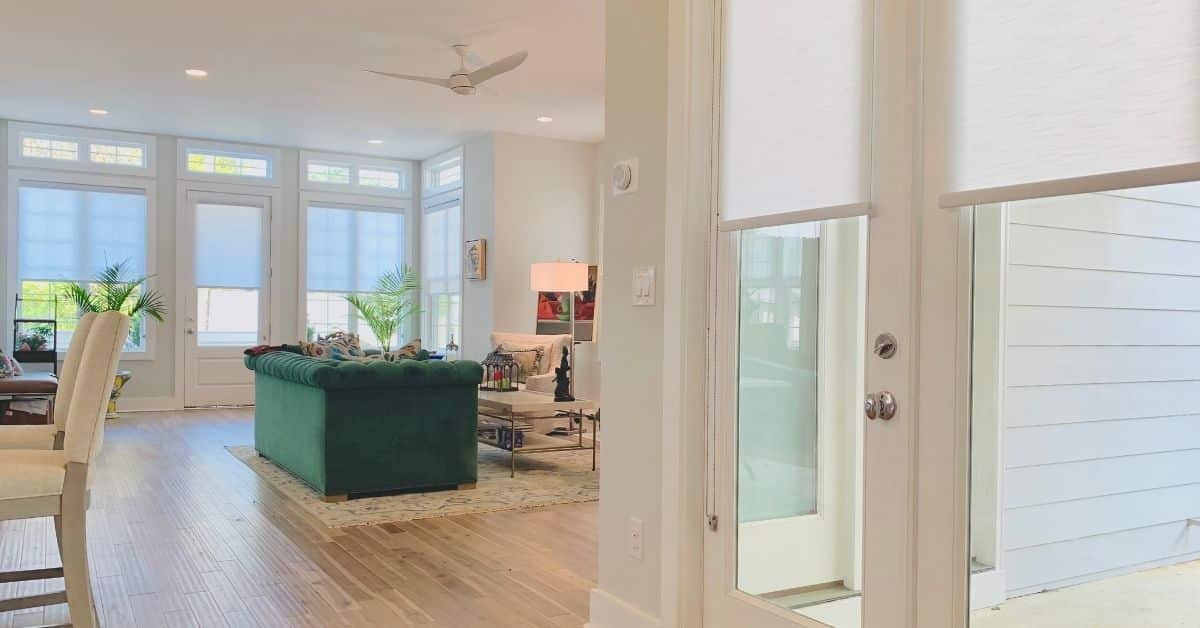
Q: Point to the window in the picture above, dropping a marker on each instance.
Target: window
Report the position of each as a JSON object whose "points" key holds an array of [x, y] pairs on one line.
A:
{"points": [[443, 173], [68, 233], [73, 148], [49, 148], [229, 273], [349, 248], [376, 178], [328, 172], [119, 154], [441, 269], [319, 172], [228, 164]]}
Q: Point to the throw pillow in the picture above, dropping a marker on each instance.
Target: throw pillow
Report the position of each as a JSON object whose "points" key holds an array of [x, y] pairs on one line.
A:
{"points": [[529, 358]]}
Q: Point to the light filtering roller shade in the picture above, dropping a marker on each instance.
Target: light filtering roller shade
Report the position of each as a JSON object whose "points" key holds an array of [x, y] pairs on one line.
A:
{"points": [[1048, 90], [71, 233], [229, 246], [349, 249], [795, 109]]}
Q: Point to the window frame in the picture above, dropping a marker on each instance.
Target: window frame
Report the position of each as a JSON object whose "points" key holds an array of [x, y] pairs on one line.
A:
{"points": [[145, 186], [352, 202], [84, 138], [273, 157], [428, 203], [430, 168], [356, 163]]}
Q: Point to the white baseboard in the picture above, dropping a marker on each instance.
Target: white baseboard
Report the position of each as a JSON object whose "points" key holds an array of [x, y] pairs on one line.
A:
{"points": [[146, 404], [609, 611]]}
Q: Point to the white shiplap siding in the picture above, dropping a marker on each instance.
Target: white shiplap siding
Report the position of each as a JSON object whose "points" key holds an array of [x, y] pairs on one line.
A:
{"points": [[1102, 372]]}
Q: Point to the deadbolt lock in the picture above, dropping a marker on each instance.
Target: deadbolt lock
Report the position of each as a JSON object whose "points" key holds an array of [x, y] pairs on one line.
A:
{"points": [[886, 345]]}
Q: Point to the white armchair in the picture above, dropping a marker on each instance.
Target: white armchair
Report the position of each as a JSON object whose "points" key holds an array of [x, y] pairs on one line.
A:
{"points": [[543, 381]]}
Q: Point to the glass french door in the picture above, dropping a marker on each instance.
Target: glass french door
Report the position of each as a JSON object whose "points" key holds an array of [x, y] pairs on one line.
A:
{"points": [[224, 261], [792, 477]]}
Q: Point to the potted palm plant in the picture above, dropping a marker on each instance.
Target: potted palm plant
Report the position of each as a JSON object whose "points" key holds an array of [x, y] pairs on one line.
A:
{"points": [[397, 296], [113, 289]]}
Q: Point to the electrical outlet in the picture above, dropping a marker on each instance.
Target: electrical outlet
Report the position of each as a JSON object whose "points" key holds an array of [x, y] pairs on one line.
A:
{"points": [[635, 545]]}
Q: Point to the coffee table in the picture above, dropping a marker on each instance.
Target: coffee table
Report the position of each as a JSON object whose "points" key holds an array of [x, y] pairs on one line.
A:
{"points": [[509, 409]]}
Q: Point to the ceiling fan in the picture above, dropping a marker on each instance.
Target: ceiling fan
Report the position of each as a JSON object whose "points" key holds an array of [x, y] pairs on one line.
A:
{"points": [[463, 82]]}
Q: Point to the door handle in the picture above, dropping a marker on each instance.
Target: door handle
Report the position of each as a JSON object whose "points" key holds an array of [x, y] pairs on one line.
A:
{"points": [[189, 331], [881, 406]]}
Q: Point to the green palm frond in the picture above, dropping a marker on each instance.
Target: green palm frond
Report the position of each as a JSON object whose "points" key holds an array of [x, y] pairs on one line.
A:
{"points": [[111, 290], [397, 296], [82, 299]]}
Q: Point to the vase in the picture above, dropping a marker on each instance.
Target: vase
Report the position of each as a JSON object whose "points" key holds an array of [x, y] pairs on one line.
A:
{"points": [[119, 381]]}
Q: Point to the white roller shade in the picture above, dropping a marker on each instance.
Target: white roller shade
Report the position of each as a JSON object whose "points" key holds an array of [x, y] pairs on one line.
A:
{"points": [[349, 249], [1050, 90], [795, 111], [67, 233], [229, 246]]}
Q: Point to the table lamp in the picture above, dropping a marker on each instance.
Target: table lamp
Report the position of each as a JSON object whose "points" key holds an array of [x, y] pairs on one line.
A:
{"points": [[569, 277]]}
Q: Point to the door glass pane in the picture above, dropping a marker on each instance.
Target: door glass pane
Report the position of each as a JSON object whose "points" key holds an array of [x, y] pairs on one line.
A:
{"points": [[799, 434], [1085, 439], [229, 273], [226, 316]]}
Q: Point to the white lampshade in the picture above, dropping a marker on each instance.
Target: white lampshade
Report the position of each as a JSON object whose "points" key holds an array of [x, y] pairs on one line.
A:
{"points": [[558, 277]]}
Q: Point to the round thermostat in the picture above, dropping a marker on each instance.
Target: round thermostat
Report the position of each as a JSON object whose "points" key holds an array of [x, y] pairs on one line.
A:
{"points": [[622, 177]]}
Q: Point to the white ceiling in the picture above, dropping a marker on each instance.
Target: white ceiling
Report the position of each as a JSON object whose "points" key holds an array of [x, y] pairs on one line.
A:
{"points": [[289, 72]]}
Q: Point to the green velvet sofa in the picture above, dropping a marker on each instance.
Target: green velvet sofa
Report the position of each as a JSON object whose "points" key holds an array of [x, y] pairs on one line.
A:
{"points": [[352, 428]]}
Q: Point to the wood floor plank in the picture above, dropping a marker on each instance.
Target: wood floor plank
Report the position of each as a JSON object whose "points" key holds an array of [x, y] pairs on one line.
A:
{"points": [[180, 533]]}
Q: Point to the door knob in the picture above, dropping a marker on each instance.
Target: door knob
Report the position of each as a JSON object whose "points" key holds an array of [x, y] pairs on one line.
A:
{"points": [[881, 406], [190, 331]]}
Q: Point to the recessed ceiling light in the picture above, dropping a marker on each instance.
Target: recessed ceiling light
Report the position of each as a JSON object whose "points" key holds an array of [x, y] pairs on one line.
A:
{"points": [[374, 141], [196, 73], [98, 112], [545, 119]]}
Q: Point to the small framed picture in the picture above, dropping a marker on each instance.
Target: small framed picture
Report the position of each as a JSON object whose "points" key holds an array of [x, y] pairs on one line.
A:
{"points": [[475, 259]]}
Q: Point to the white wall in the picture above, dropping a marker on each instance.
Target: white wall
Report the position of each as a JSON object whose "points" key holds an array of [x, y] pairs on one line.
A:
{"points": [[636, 89], [478, 222], [1101, 446], [534, 199]]}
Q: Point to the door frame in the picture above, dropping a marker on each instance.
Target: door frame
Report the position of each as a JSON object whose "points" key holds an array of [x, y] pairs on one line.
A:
{"points": [[894, 233], [184, 232]]}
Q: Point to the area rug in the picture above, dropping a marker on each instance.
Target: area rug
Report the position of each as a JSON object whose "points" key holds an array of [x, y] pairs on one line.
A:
{"points": [[543, 479]]}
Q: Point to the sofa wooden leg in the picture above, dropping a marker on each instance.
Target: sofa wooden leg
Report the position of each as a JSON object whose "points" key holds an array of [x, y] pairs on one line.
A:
{"points": [[335, 499], [466, 487]]}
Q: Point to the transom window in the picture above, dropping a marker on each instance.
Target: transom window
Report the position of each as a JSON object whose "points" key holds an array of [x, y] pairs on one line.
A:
{"points": [[376, 178], [49, 148], [331, 172], [228, 164], [321, 172], [119, 154], [71, 148]]}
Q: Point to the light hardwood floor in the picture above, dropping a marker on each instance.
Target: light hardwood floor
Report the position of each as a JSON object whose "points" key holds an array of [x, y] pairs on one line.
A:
{"points": [[183, 534]]}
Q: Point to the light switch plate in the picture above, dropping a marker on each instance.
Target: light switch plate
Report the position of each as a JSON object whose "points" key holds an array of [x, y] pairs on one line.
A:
{"points": [[643, 285], [635, 540]]}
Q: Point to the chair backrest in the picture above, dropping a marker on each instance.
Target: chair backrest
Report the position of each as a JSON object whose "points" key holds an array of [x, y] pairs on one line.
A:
{"points": [[93, 385], [553, 343], [70, 369]]}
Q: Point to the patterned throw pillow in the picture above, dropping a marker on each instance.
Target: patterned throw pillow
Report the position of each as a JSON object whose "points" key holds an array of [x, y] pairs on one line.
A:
{"points": [[339, 345], [529, 358], [9, 367]]}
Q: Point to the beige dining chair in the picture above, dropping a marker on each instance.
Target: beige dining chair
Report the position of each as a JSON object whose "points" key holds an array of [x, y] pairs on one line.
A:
{"points": [[51, 436], [54, 483]]}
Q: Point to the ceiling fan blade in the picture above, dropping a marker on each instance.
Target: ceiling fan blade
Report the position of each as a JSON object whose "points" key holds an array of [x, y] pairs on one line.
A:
{"points": [[507, 64], [440, 82]]}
